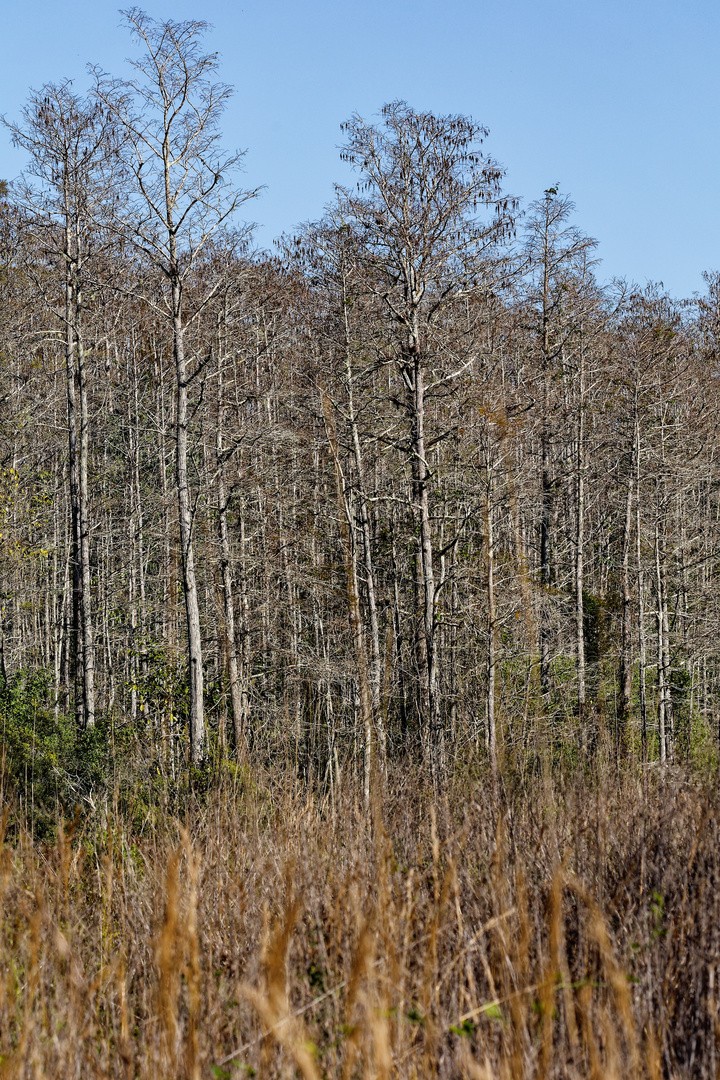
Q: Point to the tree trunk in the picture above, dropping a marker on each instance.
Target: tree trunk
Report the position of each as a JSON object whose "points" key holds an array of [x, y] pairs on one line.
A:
{"points": [[88, 635], [420, 485], [185, 514], [492, 631], [624, 705], [642, 650], [353, 595], [663, 719], [375, 652], [75, 644], [237, 695], [624, 709], [579, 552]]}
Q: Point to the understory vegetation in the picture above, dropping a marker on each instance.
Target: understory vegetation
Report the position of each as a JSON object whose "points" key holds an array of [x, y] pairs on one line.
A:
{"points": [[568, 927]]}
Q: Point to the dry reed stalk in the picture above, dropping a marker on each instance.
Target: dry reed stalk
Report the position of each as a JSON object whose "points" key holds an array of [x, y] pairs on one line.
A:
{"points": [[271, 1003], [653, 1064], [519, 1004], [613, 972], [559, 961], [124, 1045], [378, 1029], [15, 1062], [65, 856], [471, 1069], [550, 977], [387, 989], [355, 1014], [106, 920], [430, 990], [612, 1069], [6, 981], [166, 950], [192, 967], [592, 1049], [507, 962], [406, 921], [390, 923]]}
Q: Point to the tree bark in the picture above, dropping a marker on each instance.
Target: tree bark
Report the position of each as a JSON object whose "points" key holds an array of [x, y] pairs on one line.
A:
{"points": [[421, 500], [374, 626], [237, 693], [626, 662], [185, 513], [624, 705], [580, 547], [353, 594], [88, 633], [492, 631]]}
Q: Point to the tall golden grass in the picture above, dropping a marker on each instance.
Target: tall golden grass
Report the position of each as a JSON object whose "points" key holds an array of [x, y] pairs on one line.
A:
{"points": [[571, 931]]}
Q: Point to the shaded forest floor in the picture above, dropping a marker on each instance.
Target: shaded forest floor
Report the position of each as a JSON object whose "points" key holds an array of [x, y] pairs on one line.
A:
{"points": [[571, 930]]}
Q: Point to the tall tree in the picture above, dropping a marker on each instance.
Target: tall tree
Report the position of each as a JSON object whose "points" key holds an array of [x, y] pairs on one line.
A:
{"points": [[559, 261], [422, 179], [73, 148], [181, 195]]}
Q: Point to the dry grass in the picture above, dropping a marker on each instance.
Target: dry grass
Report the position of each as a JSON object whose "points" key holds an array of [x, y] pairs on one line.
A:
{"points": [[573, 933]]}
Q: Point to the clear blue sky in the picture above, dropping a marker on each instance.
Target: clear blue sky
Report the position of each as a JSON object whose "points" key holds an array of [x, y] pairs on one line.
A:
{"points": [[618, 101]]}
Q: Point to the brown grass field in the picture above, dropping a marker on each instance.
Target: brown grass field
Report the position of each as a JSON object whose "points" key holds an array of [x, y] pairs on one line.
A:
{"points": [[569, 930]]}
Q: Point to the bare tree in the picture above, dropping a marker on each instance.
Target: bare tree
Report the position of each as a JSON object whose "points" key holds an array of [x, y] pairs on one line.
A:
{"points": [[180, 197], [559, 257], [422, 179], [73, 150]]}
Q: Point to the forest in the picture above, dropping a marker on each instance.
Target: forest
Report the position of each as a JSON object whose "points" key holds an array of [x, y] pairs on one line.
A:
{"points": [[359, 613]]}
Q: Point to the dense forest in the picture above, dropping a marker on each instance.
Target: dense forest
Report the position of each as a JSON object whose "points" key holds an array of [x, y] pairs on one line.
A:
{"points": [[387, 563], [416, 486]]}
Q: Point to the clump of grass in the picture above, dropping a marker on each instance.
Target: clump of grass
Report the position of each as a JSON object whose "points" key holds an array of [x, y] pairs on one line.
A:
{"points": [[572, 931]]}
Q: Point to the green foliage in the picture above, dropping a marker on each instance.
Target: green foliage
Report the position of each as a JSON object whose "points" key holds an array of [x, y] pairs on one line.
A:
{"points": [[46, 762], [680, 685], [595, 626], [466, 1029], [316, 978], [494, 1012], [657, 909]]}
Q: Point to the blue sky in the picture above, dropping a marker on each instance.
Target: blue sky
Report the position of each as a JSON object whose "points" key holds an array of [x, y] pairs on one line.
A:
{"points": [[619, 102]]}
